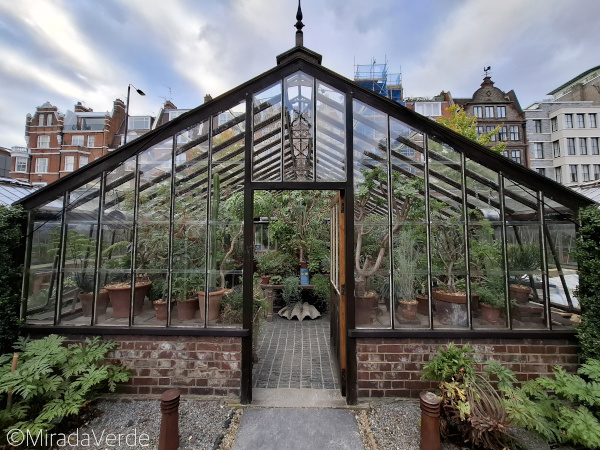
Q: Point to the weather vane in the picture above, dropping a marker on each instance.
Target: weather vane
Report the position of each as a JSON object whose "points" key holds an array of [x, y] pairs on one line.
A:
{"points": [[486, 70]]}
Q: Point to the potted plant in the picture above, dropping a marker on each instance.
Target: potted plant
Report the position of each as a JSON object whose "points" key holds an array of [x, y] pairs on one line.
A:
{"points": [[184, 289], [523, 259], [158, 297], [85, 284], [490, 290], [369, 252], [267, 265], [406, 257], [119, 294]]}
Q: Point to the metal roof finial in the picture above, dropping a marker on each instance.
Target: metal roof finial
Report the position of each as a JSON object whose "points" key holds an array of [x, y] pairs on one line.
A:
{"points": [[299, 25]]}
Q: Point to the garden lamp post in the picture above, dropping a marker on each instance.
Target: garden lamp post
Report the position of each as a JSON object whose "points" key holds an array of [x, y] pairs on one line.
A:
{"points": [[139, 91]]}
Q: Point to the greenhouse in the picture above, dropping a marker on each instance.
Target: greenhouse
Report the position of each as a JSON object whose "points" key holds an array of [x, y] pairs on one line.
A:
{"points": [[428, 232]]}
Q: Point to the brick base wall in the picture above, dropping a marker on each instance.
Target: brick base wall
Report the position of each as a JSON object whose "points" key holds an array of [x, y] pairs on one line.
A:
{"points": [[391, 367], [194, 365]]}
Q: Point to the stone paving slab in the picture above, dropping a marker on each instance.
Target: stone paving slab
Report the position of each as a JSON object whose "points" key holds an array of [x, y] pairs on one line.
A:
{"points": [[293, 354], [297, 429]]}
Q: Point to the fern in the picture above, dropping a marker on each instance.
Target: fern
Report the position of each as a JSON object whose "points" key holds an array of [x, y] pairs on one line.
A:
{"points": [[53, 381]]}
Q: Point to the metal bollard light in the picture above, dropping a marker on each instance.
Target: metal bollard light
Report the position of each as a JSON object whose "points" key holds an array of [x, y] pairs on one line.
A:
{"points": [[430, 421], [169, 422]]}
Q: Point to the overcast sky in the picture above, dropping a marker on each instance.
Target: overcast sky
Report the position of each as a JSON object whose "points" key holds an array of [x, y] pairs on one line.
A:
{"points": [[64, 51]]}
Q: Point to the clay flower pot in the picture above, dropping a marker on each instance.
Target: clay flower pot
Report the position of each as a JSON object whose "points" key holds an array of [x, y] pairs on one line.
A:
{"points": [[87, 303], [214, 303], [186, 310], [160, 309], [119, 294], [409, 308], [423, 304], [364, 307], [489, 313], [520, 293]]}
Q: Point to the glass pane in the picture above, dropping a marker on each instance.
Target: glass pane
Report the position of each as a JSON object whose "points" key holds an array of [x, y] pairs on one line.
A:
{"points": [[79, 287], [266, 148], [447, 237], [43, 272], [117, 234], [331, 134], [228, 134], [298, 119]]}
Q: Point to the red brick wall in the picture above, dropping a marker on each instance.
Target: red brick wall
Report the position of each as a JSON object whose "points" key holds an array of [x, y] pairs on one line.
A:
{"points": [[194, 365], [390, 367]]}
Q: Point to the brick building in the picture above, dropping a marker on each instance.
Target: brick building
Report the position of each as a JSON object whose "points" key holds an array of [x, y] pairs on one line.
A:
{"points": [[494, 107], [58, 144]]}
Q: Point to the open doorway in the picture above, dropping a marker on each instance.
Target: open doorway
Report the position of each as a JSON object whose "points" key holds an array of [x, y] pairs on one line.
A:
{"points": [[296, 255]]}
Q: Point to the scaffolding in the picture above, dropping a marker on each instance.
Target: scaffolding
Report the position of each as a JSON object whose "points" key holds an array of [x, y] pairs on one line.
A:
{"points": [[377, 78]]}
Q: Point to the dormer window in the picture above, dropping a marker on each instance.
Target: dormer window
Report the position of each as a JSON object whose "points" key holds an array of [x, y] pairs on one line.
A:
{"points": [[49, 119], [139, 123], [41, 120]]}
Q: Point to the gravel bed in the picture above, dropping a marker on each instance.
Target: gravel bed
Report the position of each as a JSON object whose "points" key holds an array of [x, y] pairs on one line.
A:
{"points": [[202, 423], [396, 425]]}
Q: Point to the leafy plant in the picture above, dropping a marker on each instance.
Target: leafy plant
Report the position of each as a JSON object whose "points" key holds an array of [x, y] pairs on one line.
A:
{"points": [[524, 258], [491, 290], [291, 290], [53, 381], [564, 408], [320, 294], [276, 280], [11, 223], [588, 293], [452, 364]]}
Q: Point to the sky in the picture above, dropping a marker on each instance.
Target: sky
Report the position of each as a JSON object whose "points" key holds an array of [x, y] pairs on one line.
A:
{"points": [[65, 51]]}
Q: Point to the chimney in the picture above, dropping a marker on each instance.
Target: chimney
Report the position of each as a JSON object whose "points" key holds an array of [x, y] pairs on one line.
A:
{"points": [[207, 98]]}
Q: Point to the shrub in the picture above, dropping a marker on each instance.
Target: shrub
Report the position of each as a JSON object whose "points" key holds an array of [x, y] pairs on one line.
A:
{"points": [[588, 292], [319, 297], [291, 290], [11, 222], [53, 381]]}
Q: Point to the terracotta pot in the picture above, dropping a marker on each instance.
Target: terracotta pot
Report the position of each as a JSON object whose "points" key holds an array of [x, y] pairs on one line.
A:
{"points": [[160, 309], [423, 304], [186, 310], [119, 294], [265, 279], [451, 308], [364, 307], [214, 304], [408, 309], [520, 293], [489, 313], [87, 303]]}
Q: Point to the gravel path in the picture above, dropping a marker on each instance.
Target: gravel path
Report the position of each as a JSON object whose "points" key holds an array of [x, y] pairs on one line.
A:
{"points": [[202, 424]]}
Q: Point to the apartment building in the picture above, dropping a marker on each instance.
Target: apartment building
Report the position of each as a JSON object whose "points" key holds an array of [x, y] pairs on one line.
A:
{"points": [[494, 107]]}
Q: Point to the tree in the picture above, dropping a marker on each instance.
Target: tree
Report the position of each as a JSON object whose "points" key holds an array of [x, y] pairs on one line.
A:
{"points": [[466, 125]]}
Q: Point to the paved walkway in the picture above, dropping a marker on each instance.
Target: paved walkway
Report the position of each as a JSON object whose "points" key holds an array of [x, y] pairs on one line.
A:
{"points": [[297, 429], [295, 354]]}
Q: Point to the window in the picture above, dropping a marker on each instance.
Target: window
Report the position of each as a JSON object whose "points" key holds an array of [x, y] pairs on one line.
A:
{"points": [[77, 140], [538, 150], [541, 171], [554, 122], [20, 164], [571, 146], [139, 123], [91, 141], [580, 121], [502, 134], [596, 171], [556, 148], [489, 111], [69, 163], [489, 129], [83, 160], [594, 142], [568, 120], [479, 130], [41, 165], [537, 125], [41, 118], [585, 172], [501, 111], [593, 122], [429, 109], [515, 155], [49, 119], [43, 141], [558, 174], [514, 133], [573, 172], [582, 146], [173, 114], [478, 111]]}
